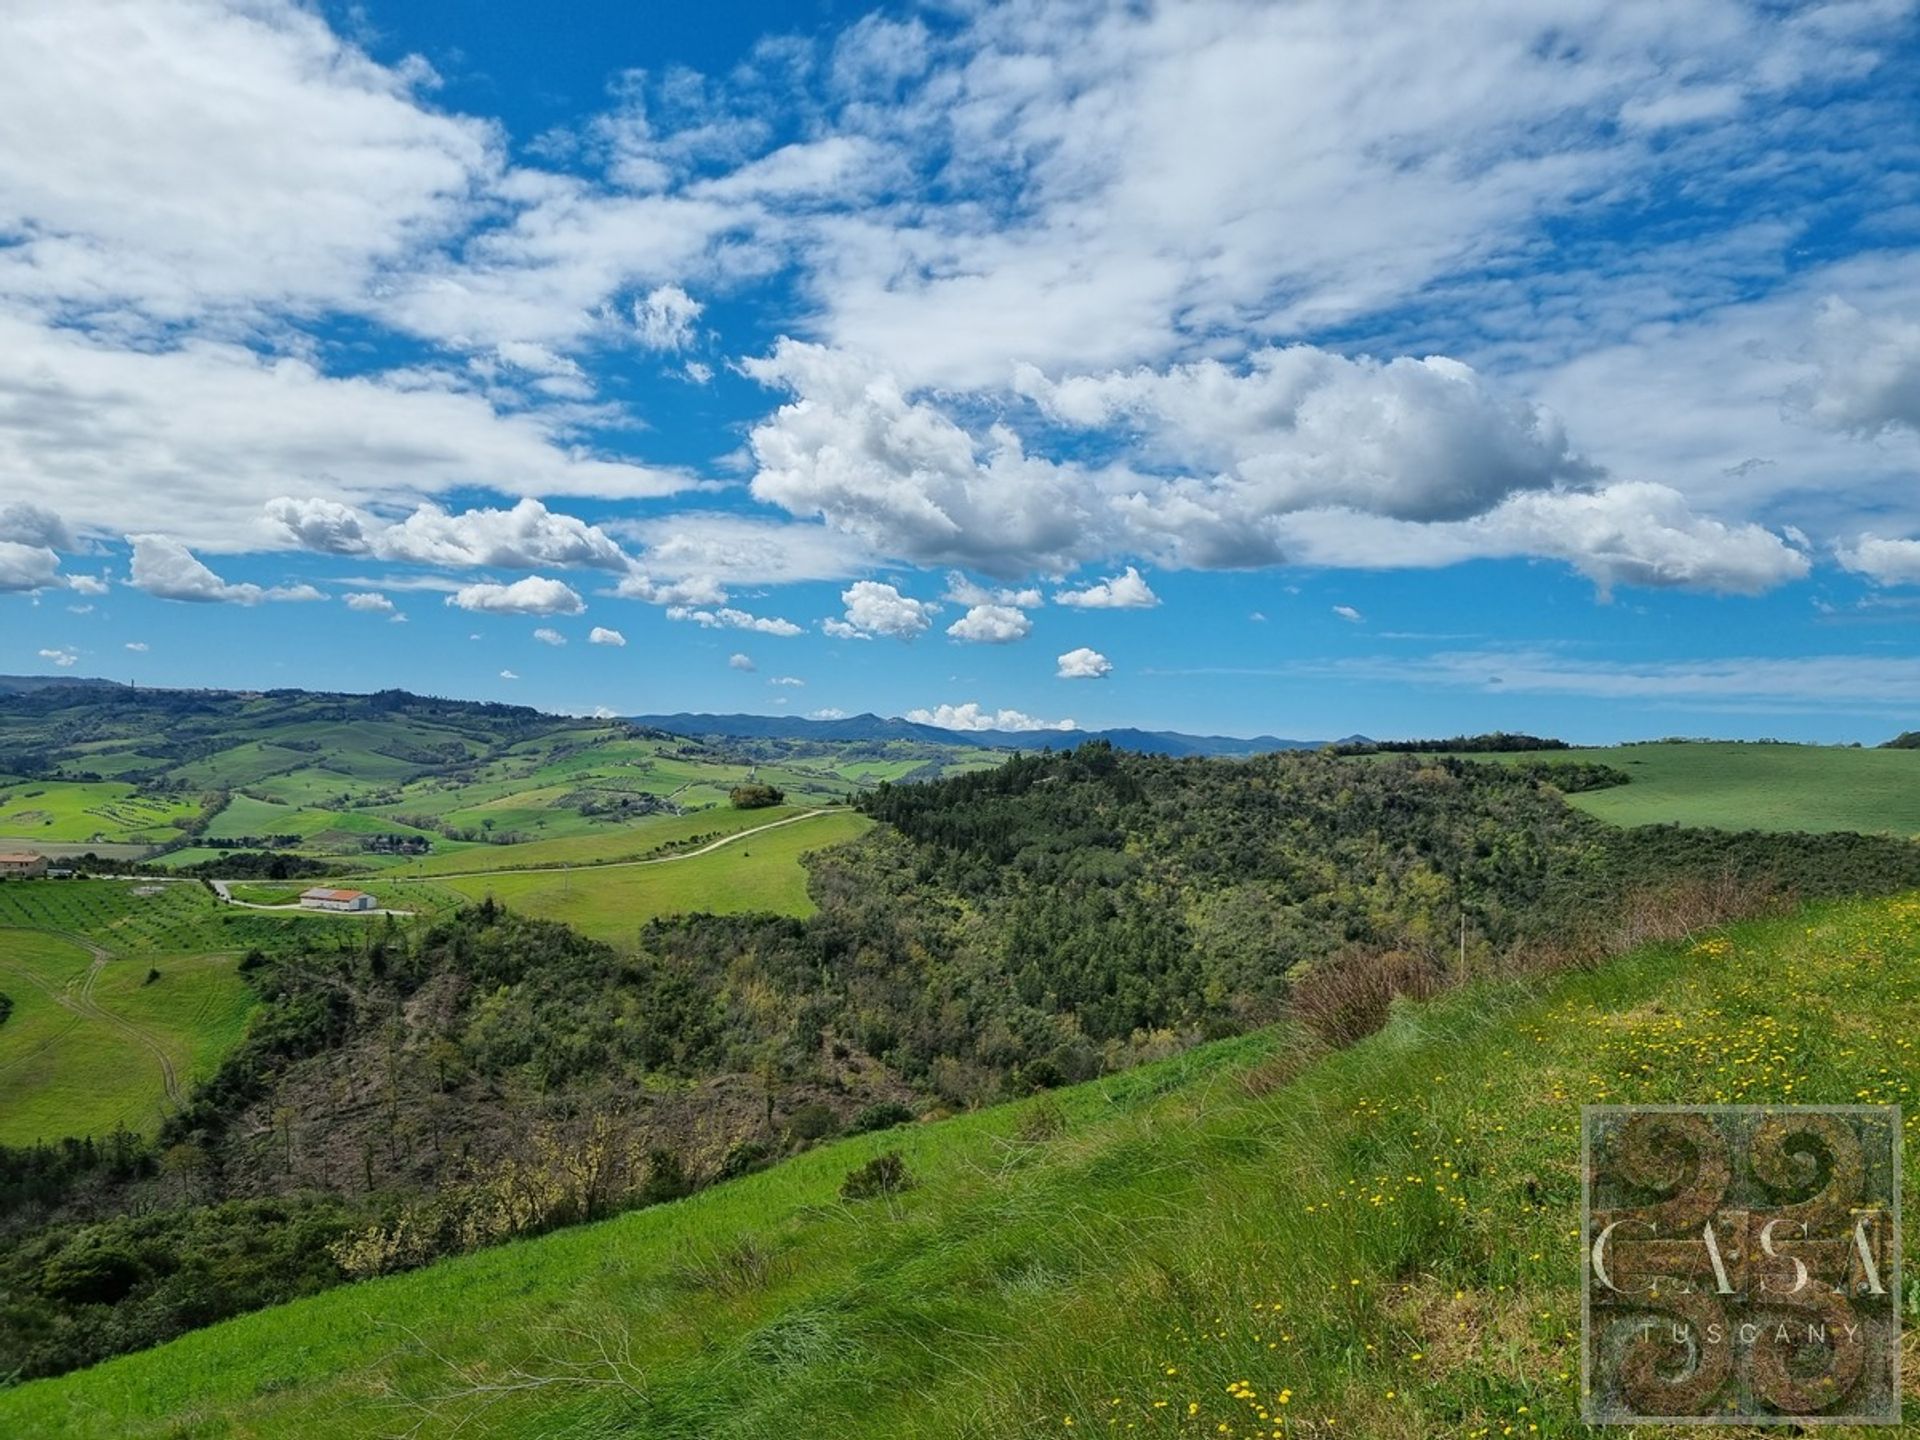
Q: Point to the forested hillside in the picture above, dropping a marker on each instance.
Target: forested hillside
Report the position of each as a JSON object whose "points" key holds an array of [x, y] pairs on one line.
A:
{"points": [[406, 1095]]}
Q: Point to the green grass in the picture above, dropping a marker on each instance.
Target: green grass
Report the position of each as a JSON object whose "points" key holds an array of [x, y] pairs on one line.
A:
{"points": [[82, 1051], [1388, 1238], [133, 918], [629, 841], [68, 811], [1724, 785], [759, 872]]}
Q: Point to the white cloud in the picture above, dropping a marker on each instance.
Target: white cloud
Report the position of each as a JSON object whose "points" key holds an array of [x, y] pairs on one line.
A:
{"points": [[508, 675], [600, 635], [190, 439], [841, 630], [534, 595], [1631, 533], [664, 317], [720, 548], [524, 537], [991, 625], [165, 568], [1884, 560], [874, 608], [971, 716], [88, 584], [1349, 614], [241, 157], [1084, 664], [1867, 377], [1125, 591], [739, 661], [64, 658], [788, 680], [29, 535], [138, 646], [370, 600], [27, 567], [697, 372], [963, 591], [826, 713], [731, 619], [548, 636]]}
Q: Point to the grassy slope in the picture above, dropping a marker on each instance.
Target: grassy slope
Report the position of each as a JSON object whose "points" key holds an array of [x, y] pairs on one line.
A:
{"points": [[1387, 1241], [1726, 786], [760, 872], [67, 1073]]}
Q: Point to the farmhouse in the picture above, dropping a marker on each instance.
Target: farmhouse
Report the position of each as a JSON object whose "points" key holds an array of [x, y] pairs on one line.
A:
{"points": [[28, 865], [321, 898]]}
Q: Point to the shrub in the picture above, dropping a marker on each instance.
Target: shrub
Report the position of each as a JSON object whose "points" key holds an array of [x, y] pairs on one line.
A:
{"points": [[811, 1122], [745, 1158], [1348, 998], [755, 797], [884, 1175], [6, 1007], [883, 1116]]}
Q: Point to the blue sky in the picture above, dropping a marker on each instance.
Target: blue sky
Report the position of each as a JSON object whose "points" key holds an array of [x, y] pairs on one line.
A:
{"points": [[1228, 367]]}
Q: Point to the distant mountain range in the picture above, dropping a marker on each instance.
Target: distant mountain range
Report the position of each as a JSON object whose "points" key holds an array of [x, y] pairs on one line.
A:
{"points": [[865, 727], [869, 727]]}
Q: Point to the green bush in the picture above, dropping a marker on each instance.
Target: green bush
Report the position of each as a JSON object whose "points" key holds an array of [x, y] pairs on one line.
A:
{"points": [[755, 797], [883, 1116], [881, 1176]]}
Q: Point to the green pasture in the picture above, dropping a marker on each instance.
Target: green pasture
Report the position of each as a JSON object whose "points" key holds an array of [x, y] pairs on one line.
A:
{"points": [[87, 1051], [1725, 785], [611, 902], [1378, 1242], [55, 811]]}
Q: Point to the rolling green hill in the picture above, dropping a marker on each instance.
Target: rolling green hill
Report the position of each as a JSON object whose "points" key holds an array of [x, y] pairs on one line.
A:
{"points": [[1727, 785], [1378, 1242]]}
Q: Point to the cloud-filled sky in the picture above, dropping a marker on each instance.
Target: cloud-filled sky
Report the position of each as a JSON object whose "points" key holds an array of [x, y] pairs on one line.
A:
{"points": [[1226, 366]]}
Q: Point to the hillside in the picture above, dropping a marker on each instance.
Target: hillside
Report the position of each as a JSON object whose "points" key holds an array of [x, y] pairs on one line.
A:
{"points": [[411, 1090], [1375, 1245], [366, 783], [869, 727], [1747, 785]]}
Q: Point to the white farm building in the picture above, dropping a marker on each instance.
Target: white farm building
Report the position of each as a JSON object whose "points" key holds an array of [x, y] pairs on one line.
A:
{"points": [[321, 898]]}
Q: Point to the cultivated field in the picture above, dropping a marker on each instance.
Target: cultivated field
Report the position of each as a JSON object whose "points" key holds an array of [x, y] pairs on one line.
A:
{"points": [[1377, 1246]]}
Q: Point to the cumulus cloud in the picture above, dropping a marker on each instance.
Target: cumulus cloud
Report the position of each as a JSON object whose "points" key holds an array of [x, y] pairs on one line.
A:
{"points": [[88, 584], [1125, 591], [1349, 614], [1867, 378], [27, 567], [165, 568], [525, 537], [601, 635], [841, 630], [826, 712], [991, 625], [30, 535], [64, 658], [787, 680], [534, 595], [876, 608], [548, 636], [732, 619], [740, 661], [1084, 664], [855, 450], [370, 600], [1883, 560], [963, 591], [971, 716], [508, 675], [664, 317], [138, 646]]}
